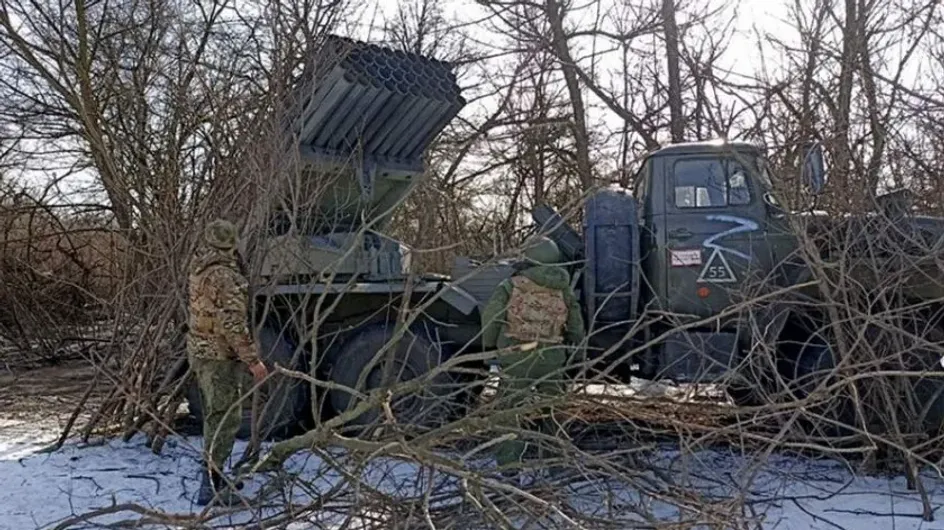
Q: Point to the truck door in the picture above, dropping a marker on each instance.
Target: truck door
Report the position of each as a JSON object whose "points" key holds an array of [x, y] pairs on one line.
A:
{"points": [[713, 234]]}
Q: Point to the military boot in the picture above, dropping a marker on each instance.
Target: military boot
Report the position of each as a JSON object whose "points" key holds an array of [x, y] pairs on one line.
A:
{"points": [[206, 492], [213, 485]]}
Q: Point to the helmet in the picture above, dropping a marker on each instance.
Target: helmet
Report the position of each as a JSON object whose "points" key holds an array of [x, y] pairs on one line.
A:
{"points": [[221, 235], [543, 251]]}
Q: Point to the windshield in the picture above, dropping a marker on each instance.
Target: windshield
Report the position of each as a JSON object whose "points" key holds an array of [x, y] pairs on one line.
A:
{"points": [[709, 181]]}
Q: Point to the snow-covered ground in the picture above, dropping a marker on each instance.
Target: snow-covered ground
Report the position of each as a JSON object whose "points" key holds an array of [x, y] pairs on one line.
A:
{"points": [[42, 490]]}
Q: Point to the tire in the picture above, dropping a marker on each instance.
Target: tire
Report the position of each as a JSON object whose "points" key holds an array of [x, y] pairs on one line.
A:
{"points": [[806, 367], [415, 354], [802, 360], [285, 401], [803, 367]]}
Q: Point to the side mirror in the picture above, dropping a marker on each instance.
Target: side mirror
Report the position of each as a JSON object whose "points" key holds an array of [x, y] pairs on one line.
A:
{"points": [[813, 168]]}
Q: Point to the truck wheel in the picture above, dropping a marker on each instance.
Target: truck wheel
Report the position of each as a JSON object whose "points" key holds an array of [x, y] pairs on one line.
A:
{"points": [[921, 403], [414, 355], [804, 367], [802, 360], [284, 403]]}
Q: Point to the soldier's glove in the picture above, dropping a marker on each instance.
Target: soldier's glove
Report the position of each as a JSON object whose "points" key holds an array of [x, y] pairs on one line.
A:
{"points": [[259, 371]]}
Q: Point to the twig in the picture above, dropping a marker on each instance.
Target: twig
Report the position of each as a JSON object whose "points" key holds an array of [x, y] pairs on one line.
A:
{"points": [[76, 412]]}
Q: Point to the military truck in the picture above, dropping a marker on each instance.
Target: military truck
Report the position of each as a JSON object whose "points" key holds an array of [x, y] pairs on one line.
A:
{"points": [[701, 225]]}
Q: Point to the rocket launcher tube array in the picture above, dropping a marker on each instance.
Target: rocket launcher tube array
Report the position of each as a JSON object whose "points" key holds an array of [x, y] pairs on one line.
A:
{"points": [[384, 103]]}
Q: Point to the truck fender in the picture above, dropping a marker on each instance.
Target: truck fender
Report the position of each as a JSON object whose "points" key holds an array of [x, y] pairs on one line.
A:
{"points": [[459, 298]]}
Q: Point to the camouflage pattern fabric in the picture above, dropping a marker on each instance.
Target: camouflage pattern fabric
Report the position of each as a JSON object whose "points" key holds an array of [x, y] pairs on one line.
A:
{"points": [[221, 383], [527, 375], [219, 327], [219, 342], [535, 313]]}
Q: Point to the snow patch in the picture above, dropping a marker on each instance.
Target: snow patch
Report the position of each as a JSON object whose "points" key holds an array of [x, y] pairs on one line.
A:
{"points": [[20, 438], [786, 493]]}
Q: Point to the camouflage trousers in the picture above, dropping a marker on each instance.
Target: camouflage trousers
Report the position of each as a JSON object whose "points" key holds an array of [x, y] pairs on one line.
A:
{"points": [[521, 384], [221, 384]]}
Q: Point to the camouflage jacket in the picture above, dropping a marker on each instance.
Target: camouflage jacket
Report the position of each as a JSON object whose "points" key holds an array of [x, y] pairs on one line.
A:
{"points": [[536, 305], [219, 327]]}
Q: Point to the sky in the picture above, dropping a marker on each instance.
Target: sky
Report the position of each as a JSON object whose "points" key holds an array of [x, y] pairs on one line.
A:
{"points": [[742, 57]]}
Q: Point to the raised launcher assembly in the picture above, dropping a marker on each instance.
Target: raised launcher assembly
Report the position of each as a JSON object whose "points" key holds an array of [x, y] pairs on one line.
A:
{"points": [[364, 126]]}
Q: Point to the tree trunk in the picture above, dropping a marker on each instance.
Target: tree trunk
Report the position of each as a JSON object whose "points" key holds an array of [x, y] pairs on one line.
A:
{"points": [[675, 85], [807, 115], [555, 16], [876, 118], [850, 50]]}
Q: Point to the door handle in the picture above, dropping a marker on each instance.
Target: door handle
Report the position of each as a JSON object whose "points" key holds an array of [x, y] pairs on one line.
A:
{"points": [[680, 233]]}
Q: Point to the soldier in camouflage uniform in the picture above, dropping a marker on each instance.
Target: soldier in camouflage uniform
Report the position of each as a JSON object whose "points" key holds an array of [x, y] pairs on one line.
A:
{"points": [[220, 348], [535, 305]]}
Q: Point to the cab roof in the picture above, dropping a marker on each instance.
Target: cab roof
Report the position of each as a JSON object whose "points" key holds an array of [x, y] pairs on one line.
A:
{"points": [[706, 146]]}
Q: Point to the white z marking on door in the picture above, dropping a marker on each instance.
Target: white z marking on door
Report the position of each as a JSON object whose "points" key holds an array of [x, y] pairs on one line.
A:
{"points": [[717, 269], [743, 225]]}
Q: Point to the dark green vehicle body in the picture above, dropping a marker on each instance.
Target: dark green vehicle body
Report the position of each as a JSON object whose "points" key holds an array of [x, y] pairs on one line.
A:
{"points": [[729, 228], [699, 230], [706, 230], [709, 232], [723, 268]]}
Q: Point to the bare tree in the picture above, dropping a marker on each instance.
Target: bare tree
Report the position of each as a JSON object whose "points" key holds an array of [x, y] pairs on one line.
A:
{"points": [[168, 111], [676, 118], [176, 113]]}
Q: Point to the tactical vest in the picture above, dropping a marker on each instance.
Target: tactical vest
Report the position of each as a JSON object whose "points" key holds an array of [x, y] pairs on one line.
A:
{"points": [[535, 313], [203, 303]]}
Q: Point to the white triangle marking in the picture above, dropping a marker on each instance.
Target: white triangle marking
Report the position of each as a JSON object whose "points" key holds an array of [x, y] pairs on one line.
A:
{"points": [[714, 272]]}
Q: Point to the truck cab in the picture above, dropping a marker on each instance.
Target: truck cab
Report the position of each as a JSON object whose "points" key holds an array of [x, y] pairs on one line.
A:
{"points": [[708, 233], [708, 223]]}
